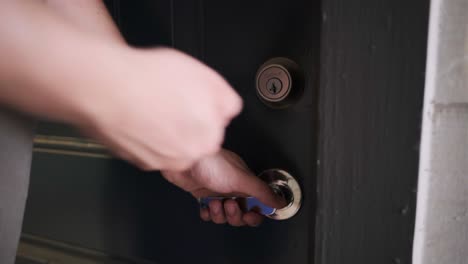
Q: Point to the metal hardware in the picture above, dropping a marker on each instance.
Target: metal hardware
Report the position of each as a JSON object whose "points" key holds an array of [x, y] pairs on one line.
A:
{"points": [[282, 183], [279, 82], [285, 185]]}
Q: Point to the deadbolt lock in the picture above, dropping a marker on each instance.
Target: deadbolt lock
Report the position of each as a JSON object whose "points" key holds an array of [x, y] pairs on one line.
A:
{"points": [[279, 82]]}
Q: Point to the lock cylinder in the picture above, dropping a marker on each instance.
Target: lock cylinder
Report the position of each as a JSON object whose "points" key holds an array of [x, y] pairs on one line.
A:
{"points": [[279, 82]]}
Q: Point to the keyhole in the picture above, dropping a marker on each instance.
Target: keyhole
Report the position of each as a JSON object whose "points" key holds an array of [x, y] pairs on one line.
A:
{"points": [[274, 86]]}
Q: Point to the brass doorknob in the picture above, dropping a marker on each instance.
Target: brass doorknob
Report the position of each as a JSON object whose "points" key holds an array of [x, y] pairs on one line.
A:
{"points": [[282, 184], [279, 82]]}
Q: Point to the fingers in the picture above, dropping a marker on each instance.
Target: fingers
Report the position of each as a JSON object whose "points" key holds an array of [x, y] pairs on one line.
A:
{"points": [[244, 181], [205, 214], [252, 185], [229, 212], [229, 104], [233, 213], [217, 212]]}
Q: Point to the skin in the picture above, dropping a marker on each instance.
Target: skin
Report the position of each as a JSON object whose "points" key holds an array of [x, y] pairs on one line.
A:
{"points": [[66, 61]]}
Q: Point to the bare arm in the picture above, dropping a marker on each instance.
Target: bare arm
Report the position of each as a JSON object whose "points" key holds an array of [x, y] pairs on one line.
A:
{"points": [[57, 65], [45, 61], [67, 61], [89, 15]]}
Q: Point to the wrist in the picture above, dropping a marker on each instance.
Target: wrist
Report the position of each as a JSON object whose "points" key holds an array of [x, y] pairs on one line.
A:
{"points": [[98, 94]]}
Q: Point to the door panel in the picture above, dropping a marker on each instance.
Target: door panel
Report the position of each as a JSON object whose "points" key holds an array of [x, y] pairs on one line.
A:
{"points": [[86, 198], [371, 92]]}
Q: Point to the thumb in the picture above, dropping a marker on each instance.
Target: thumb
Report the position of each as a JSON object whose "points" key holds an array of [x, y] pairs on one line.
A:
{"points": [[253, 186]]}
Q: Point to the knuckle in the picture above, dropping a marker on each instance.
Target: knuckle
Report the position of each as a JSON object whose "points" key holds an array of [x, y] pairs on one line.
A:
{"points": [[233, 105], [238, 104], [215, 143]]}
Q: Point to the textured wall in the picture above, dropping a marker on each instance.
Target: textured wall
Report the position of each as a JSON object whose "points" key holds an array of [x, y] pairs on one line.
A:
{"points": [[441, 234]]}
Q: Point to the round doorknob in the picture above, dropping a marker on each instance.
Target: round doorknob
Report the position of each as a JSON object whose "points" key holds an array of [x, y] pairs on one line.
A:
{"points": [[279, 82], [282, 183], [285, 185]]}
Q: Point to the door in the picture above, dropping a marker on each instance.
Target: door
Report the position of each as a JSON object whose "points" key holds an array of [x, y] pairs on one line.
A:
{"points": [[84, 199], [351, 139]]}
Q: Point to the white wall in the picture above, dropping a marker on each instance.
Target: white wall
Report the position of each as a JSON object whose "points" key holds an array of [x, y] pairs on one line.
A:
{"points": [[441, 232]]}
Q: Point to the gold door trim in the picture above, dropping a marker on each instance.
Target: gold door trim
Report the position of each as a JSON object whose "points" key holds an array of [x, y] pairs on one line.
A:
{"points": [[72, 146]]}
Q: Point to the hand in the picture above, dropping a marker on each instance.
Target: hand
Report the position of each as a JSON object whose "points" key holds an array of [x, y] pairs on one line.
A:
{"points": [[167, 111], [157, 108], [190, 103], [225, 174]]}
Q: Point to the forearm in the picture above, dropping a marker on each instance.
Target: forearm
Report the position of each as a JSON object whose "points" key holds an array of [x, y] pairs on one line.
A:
{"points": [[49, 66], [88, 15]]}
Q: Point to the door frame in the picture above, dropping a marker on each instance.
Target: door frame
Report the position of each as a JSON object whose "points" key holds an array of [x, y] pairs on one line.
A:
{"points": [[371, 96]]}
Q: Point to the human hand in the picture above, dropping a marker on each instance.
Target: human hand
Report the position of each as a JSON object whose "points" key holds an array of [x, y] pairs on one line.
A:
{"points": [[225, 174], [192, 90], [166, 112], [157, 108]]}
